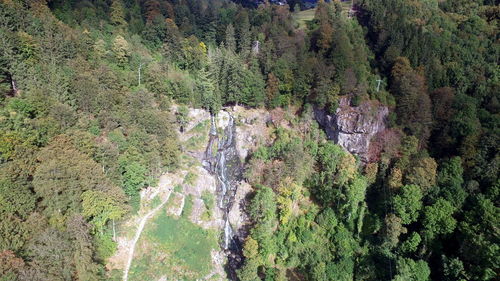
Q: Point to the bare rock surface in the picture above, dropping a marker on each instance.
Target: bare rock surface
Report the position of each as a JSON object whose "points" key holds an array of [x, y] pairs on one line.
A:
{"points": [[195, 117], [354, 127], [251, 129], [237, 215], [204, 182]]}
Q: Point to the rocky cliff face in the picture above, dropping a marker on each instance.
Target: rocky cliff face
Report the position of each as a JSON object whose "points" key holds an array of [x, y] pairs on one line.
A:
{"points": [[230, 136], [354, 127]]}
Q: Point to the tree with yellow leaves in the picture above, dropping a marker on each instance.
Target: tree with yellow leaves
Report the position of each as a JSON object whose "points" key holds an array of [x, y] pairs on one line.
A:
{"points": [[121, 50]]}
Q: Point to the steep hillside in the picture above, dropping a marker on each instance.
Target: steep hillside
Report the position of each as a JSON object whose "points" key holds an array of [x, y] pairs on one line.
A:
{"points": [[205, 139]]}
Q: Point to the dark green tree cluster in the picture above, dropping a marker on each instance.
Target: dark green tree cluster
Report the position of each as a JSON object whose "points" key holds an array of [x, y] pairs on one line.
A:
{"points": [[257, 57], [80, 136]]}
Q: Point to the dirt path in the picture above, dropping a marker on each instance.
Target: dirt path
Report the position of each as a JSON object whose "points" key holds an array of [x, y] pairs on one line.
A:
{"points": [[138, 232]]}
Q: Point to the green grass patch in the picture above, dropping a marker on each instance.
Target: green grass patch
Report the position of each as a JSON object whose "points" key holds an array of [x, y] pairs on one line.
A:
{"points": [[187, 161], [196, 142], [115, 275], [185, 246], [178, 188], [190, 178], [209, 201], [214, 148], [208, 198], [155, 202], [201, 127], [303, 17]]}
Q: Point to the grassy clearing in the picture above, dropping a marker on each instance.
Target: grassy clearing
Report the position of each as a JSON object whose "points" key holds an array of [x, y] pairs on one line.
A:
{"points": [[303, 17], [177, 248], [188, 161]]}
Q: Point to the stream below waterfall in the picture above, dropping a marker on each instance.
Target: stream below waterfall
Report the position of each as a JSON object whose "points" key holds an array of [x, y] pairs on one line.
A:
{"points": [[224, 163]]}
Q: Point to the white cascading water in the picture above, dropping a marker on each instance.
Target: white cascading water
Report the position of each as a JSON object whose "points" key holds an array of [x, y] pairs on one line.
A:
{"points": [[224, 146], [225, 165]]}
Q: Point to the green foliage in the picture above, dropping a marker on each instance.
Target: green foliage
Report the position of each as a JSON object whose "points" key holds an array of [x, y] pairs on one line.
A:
{"points": [[63, 174], [99, 207], [450, 181], [392, 230], [263, 205], [422, 173], [208, 199], [480, 249], [413, 102], [453, 269], [105, 246], [117, 14], [411, 244], [16, 199], [408, 203], [438, 218], [190, 178], [182, 116], [120, 49], [133, 177], [192, 250], [409, 269], [14, 233], [210, 99], [337, 172]]}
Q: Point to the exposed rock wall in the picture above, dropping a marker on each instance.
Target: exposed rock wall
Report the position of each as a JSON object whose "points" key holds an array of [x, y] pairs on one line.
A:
{"points": [[354, 127], [251, 132]]}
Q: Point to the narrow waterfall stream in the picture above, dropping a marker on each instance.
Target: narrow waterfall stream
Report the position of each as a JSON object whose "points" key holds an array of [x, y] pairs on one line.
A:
{"points": [[225, 164]]}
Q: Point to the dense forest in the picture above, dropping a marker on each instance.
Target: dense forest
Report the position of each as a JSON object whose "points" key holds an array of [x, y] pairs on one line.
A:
{"points": [[86, 88]]}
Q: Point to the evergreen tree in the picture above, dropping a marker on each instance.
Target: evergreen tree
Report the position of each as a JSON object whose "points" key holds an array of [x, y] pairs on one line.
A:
{"points": [[230, 39], [244, 35], [117, 14], [207, 90]]}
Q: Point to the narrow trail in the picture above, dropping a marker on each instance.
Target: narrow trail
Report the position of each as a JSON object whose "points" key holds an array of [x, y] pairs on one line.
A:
{"points": [[139, 232]]}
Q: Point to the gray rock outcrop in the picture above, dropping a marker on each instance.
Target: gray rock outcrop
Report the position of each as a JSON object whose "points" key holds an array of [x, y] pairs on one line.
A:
{"points": [[354, 127]]}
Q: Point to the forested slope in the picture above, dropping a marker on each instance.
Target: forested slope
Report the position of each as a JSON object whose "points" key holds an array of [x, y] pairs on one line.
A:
{"points": [[85, 123]]}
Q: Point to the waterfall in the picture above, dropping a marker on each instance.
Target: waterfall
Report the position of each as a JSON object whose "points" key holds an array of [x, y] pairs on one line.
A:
{"points": [[226, 166]]}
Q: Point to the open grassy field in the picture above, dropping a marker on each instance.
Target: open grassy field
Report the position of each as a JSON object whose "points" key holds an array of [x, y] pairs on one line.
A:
{"points": [[303, 17], [175, 248], [346, 6]]}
